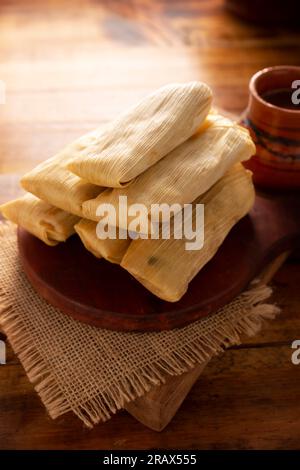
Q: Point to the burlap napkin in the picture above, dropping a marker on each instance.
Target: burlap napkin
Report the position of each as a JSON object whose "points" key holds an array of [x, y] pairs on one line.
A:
{"points": [[94, 372]]}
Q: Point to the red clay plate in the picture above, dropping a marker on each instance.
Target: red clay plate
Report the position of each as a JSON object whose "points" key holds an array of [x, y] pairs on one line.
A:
{"points": [[104, 295]]}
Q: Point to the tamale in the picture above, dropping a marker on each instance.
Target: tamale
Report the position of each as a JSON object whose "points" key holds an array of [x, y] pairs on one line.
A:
{"points": [[165, 267], [184, 174], [111, 249], [53, 183], [48, 223], [140, 137]]}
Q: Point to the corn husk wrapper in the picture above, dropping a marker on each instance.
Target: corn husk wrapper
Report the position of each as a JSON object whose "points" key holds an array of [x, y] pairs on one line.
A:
{"points": [[48, 223], [143, 135], [165, 267], [111, 249], [53, 183], [184, 174]]}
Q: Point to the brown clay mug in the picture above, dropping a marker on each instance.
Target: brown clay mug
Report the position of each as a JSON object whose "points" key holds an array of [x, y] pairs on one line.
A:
{"points": [[273, 118]]}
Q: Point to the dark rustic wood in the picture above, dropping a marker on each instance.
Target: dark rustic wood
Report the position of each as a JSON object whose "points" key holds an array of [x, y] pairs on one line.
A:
{"points": [[247, 398], [103, 294], [69, 68], [157, 408]]}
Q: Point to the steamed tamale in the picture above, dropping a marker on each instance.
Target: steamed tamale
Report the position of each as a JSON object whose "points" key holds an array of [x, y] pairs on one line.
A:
{"points": [[50, 224], [53, 183], [143, 135], [184, 174], [111, 249], [166, 267]]}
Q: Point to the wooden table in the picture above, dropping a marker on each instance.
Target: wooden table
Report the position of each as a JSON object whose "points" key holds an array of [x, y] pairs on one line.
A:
{"points": [[70, 65]]}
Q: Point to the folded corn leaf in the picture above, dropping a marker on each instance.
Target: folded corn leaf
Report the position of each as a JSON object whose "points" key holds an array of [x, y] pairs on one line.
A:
{"points": [[184, 174], [111, 249], [53, 183], [143, 135], [48, 223], [165, 267]]}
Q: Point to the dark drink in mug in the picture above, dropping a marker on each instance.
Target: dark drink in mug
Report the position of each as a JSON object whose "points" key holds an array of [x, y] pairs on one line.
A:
{"points": [[273, 118]]}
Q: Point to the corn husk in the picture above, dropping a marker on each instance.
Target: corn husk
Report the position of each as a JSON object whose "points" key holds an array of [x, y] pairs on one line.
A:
{"points": [[48, 223], [165, 267], [143, 135], [53, 183], [111, 249], [184, 174]]}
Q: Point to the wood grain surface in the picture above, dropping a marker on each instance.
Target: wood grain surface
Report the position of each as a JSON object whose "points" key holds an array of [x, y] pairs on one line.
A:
{"points": [[68, 66]]}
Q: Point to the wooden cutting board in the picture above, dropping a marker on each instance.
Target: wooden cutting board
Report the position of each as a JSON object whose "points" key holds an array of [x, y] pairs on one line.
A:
{"points": [[104, 295]]}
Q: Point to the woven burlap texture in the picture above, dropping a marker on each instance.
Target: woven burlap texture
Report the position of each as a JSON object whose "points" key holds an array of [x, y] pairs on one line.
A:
{"points": [[94, 372]]}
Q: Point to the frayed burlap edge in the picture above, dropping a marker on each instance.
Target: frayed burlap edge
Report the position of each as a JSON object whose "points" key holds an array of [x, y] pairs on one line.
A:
{"points": [[143, 379]]}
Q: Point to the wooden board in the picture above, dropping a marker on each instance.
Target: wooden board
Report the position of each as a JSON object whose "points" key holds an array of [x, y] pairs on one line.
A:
{"points": [[104, 295]]}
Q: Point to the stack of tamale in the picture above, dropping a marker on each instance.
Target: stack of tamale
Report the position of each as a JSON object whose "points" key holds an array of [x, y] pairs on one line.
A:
{"points": [[171, 148]]}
